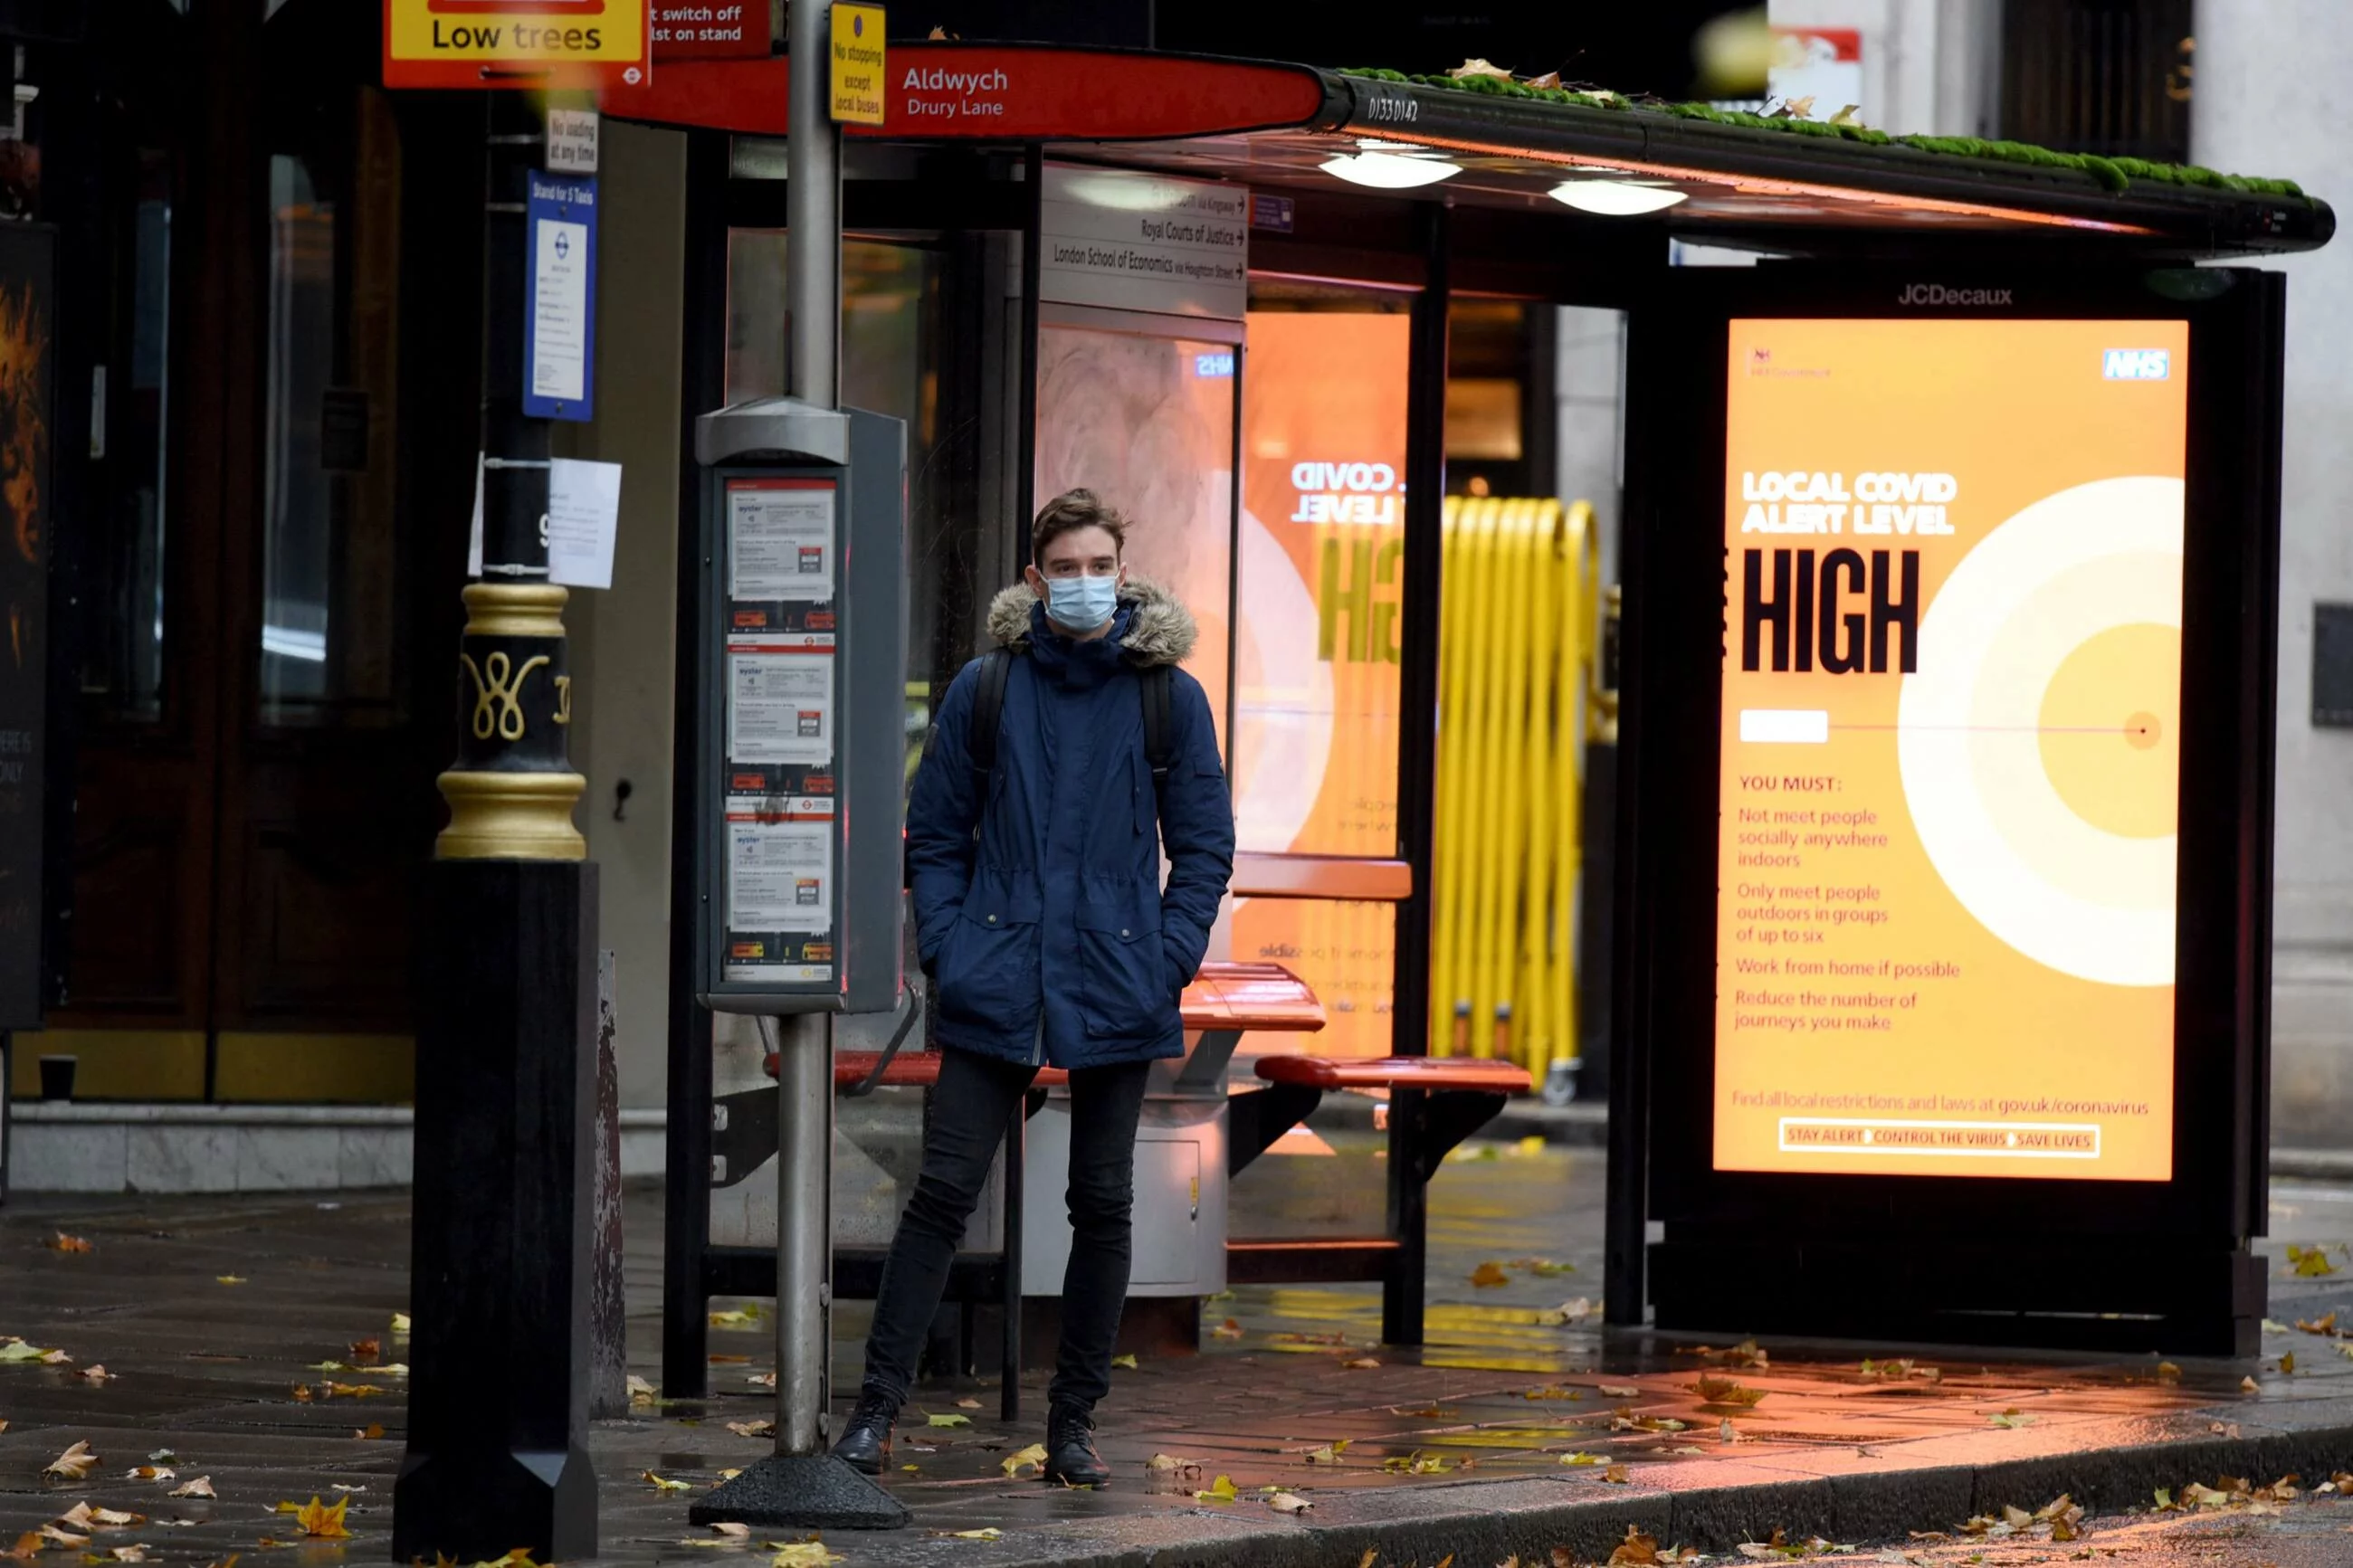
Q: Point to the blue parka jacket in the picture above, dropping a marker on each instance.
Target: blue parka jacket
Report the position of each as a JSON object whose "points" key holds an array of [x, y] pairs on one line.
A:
{"points": [[1048, 905]]}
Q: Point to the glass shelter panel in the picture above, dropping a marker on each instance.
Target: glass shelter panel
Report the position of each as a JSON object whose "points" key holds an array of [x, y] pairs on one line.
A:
{"points": [[1323, 541], [1146, 422]]}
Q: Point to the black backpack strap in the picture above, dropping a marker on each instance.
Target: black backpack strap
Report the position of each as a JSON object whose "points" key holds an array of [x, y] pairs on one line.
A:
{"points": [[1159, 737], [988, 707]]}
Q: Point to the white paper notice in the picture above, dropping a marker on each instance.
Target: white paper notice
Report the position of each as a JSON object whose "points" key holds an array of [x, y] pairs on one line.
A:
{"points": [[584, 516], [780, 707], [780, 540], [779, 876], [559, 362], [474, 541]]}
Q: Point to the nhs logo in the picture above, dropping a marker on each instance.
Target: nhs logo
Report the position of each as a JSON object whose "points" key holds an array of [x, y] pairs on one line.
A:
{"points": [[2135, 364]]}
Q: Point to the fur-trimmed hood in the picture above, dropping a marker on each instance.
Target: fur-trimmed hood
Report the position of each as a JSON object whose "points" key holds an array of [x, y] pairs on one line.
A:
{"points": [[1159, 631]]}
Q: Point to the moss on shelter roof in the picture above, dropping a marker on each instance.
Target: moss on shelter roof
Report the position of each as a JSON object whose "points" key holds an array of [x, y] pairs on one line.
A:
{"points": [[2113, 174]]}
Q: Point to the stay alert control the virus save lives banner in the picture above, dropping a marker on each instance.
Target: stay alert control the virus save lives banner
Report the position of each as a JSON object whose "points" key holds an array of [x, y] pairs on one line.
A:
{"points": [[1945, 926]]}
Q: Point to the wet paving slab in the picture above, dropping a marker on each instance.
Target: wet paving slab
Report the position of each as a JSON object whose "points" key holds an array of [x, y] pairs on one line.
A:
{"points": [[237, 1334]]}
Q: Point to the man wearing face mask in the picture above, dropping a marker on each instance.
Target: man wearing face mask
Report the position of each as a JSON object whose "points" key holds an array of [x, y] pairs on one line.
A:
{"points": [[1049, 938]]}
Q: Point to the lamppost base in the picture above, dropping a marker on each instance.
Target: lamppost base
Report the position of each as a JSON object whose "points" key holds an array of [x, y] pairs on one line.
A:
{"points": [[474, 1507], [812, 1490]]}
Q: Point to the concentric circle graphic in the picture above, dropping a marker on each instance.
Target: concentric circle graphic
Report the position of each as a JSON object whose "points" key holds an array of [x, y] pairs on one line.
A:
{"points": [[2038, 739]]}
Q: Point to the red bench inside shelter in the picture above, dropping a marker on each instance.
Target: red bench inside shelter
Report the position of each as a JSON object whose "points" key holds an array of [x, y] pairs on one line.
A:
{"points": [[1434, 1104]]}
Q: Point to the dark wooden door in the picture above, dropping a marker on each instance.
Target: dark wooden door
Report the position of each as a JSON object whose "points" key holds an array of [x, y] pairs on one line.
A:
{"points": [[255, 816]]}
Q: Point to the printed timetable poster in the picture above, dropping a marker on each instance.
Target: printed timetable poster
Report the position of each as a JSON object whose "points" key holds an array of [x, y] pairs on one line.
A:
{"points": [[1951, 720]]}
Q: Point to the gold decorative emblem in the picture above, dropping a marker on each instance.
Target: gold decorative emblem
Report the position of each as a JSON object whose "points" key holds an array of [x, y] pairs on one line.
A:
{"points": [[498, 688], [564, 700]]}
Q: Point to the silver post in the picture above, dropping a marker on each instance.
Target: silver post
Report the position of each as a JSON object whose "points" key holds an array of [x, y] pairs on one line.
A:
{"points": [[813, 214], [805, 1055], [804, 1230]]}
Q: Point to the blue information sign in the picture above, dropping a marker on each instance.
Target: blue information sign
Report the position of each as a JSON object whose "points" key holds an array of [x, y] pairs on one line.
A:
{"points": [[560, 339]]}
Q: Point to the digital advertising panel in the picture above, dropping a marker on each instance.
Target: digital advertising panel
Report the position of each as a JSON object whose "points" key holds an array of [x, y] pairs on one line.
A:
{"points": [[1949, 762], [1316, 665]]}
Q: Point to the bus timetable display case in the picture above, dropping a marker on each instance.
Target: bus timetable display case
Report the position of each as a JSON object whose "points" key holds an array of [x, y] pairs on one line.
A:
{"points": [[1945, 842]]}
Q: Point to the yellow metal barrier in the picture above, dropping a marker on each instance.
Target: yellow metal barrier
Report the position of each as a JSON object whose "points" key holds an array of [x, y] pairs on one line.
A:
{"points": [[1519, 640]]}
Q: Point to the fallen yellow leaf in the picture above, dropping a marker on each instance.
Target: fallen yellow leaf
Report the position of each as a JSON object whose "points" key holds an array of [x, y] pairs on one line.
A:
{"points": [[1617, 1475], [641, 1392], [1477, 67], [1289, 1503], [369, 1433], [1329, 1454], [1619, 1390], [968, 1404], [27, 1547], [1637, 1550], [1228, 1330], [320, 1522], [64, 1243], [1171, 1464], [116, 1519], [740, 1317], [753, 1428], [803, 1555], [1580, 1458], [661, 1485], [228, 1279], [1220, 1490], [2249, 1386], [949, 1418], [1488, 1274], [2310, 1262], [1124, 1361], [2012, 1419], [75, 1464], [400, 1323], [17, 1350], [2168, 1373], [201, 1487], [94, 1373], [2287, 1362], [1362, 1363], [1034, 1456], [987, 1532], [59, 1536], [150, 1473], [1725, 1391]]}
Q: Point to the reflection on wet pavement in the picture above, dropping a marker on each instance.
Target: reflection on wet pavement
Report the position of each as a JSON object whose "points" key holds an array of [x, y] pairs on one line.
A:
{"points": [[1516, 1381]]}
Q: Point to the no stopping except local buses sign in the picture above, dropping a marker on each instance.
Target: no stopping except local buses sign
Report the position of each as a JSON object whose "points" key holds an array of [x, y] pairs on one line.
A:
{"points": [[514, 43], [856, 64]]}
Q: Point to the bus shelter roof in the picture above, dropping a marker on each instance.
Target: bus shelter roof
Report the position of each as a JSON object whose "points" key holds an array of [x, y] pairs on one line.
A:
{"points": [[1794, 187]]}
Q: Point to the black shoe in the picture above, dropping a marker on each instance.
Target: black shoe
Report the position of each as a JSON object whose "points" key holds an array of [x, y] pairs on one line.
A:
{"points": [[865, 1441], [1071, 1457]]}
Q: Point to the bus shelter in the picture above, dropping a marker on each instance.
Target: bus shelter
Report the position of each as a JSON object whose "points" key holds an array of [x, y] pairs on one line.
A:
{"points": [[1220, 292]]}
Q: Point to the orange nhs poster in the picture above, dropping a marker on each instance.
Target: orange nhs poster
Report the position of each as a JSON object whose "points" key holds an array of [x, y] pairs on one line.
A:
{"points": [[1945, 915]]}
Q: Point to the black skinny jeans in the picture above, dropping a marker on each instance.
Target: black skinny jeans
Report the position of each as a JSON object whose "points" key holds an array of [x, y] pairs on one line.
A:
{"points": [[971, 1108]]}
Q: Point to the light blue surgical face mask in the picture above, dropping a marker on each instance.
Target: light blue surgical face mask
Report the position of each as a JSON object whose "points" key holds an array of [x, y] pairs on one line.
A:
{"points": [[1080, 603]]}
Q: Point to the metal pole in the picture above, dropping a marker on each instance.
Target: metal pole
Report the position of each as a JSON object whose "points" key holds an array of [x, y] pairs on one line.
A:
{"points": [[813, 216], [804, 1053], [804, 1231]]}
